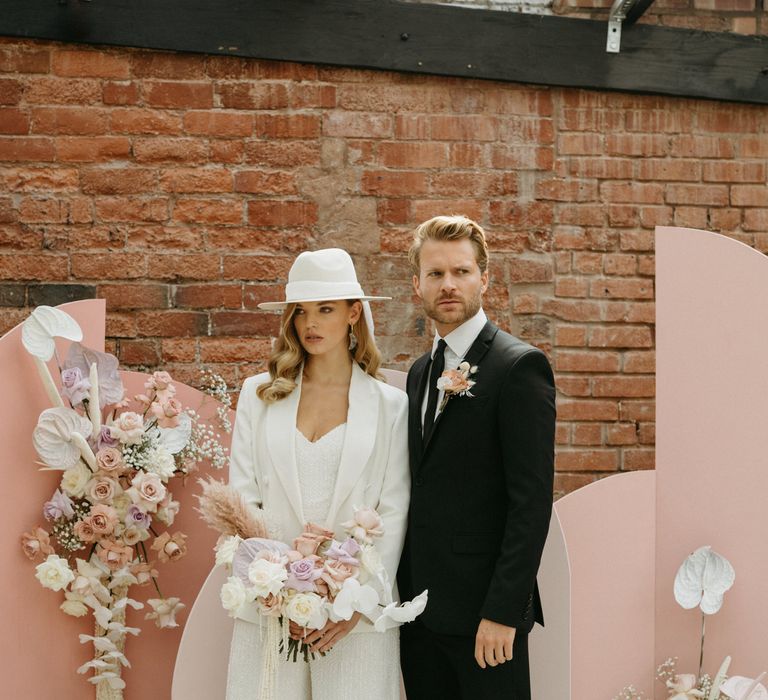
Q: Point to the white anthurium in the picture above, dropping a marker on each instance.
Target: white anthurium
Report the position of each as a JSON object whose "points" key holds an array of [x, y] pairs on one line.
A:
{"points": [[175, 439], [741, 688], [43, 325], [94, 410], [714, 693], [395, 615], [353, 598], [703, 579], [58, 438]]}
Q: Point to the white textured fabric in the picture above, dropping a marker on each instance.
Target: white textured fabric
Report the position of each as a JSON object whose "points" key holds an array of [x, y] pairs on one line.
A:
{"points": [[318, 466], [360, 666]]}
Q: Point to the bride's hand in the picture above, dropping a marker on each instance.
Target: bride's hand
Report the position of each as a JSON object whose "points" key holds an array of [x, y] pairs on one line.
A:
{"points": [[297, 631], [325, 639]]}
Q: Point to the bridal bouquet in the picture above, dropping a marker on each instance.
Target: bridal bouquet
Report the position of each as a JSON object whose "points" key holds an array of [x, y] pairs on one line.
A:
{"points": [[702, 580], [110, 519]]}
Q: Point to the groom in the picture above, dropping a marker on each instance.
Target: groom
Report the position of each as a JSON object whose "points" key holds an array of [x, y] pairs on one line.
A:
{"points": [[482, 471]]}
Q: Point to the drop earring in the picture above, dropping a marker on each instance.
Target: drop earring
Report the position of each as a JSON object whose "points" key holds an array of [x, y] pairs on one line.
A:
{"points": [[352, 338]]}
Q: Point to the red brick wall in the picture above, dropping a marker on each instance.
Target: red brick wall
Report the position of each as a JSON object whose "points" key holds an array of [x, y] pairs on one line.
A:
{"points": [[180, 188]]}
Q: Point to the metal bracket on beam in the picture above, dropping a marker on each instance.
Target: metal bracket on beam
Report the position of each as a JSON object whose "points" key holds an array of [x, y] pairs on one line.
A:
{"points": [[618, 14]]}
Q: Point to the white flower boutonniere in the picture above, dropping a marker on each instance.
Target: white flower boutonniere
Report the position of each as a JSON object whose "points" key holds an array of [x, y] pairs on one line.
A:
{"points": [[456, 382]]}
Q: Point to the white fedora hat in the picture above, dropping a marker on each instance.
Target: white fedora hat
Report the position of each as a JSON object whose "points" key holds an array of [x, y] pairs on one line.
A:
{"points": [[321, 275]]}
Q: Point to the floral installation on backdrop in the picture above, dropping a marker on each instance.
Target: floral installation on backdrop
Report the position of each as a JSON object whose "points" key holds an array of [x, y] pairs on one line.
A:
{"points": [[702, 580], [111, 516], [315, 579], [456, 382]]}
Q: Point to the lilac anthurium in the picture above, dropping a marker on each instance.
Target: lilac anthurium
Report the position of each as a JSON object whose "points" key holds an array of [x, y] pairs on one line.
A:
{"points": [[344, 551]]}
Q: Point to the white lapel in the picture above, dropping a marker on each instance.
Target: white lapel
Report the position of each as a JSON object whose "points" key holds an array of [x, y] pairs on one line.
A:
{"points": [[281, 443], [359, 438]]}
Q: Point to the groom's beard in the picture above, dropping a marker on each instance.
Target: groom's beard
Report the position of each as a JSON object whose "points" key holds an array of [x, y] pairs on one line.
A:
{"points": [[465, 309]]}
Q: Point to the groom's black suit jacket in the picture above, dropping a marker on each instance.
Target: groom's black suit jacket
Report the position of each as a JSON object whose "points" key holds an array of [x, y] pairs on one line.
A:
{"points": [[481, 494]]}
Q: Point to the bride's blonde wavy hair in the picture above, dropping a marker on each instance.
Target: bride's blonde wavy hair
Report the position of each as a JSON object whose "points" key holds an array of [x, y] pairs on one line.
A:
{"points": [[288, 355]]}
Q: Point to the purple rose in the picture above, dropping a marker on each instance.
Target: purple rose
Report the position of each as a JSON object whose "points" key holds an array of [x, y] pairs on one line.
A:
{"points": [[344, 552], [74, 386], [302, 575], [105, 438], [60, 506], [136, 517]]}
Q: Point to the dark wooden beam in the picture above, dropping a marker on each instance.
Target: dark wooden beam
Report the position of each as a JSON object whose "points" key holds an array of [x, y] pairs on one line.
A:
{"points": [[417, 38], [637, 11]]}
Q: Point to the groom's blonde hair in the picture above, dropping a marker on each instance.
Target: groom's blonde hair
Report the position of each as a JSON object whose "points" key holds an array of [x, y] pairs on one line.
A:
{"points": [[449, 228]]}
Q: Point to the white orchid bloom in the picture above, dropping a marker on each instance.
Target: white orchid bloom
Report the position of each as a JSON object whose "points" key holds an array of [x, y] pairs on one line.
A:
{"points": [[353, 598], [115, 682], [703, 579], [741, 688], [395, 615], [103, 615], [95, 663], [103, 644]]}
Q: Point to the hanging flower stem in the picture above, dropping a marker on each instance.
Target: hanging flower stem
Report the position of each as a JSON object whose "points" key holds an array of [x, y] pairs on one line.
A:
{"points": [[701, 653]]}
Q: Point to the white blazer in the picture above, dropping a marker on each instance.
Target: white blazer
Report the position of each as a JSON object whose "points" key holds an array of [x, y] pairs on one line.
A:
{"points": [[373, 470]]}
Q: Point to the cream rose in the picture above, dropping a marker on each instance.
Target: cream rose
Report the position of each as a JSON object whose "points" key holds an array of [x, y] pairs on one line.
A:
{"points": [[75, 480], [266, 577], [54, 573], [225, 549], [306, 610], [147, 491], [233, 595], [128, 428]]}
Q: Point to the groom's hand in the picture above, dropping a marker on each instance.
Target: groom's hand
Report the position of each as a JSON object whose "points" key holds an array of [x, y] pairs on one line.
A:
{"points": [[493, 643]]}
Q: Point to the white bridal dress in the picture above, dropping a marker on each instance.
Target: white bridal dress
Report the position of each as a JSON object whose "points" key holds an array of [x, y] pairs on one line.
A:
{"points": [[365, 664]]}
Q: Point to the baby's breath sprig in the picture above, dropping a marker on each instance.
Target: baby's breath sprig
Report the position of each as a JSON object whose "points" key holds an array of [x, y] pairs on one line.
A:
{"points": [[216, 387], [204, 445], [667, 670], [629, 693]]}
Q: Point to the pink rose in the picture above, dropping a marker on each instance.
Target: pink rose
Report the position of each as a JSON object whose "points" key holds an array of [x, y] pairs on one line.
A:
{"points": [[307, 544], [110, 460], [158, 380], [84, 530], [102, 489], [103, 519], [313, 529], [271, 606], [336, 572], [365, 525], [128, 428], [113, 554], [36, 543], [166, 412], [147, 491]]}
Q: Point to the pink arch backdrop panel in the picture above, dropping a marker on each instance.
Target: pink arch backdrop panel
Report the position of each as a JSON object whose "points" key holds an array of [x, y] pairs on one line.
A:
{"points": [[712, 440], [609, 535], [36, 634], [36, 631]]}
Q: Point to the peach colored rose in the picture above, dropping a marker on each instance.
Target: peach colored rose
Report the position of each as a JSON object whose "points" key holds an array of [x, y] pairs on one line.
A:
{"points": [[144, 572], [335, 573], [113, 554], [307, 544], [36, 543], [110, 460], [84, 530], [102, 489], [270, 606], [170, 548], [103, 519], [314, 529], [365, 525], [167, 412]]}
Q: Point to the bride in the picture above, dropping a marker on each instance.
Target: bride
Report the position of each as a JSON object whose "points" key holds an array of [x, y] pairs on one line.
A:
{"points": [[317, 436]]}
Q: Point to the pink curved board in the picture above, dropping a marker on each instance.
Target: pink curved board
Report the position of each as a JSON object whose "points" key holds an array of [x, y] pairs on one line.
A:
{"points": [[32, 620], [609, 535], [712, 440]]}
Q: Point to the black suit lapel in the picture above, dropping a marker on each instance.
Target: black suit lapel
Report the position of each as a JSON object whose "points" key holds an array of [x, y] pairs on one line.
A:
{"points": [[415, 398], [475, 353]]}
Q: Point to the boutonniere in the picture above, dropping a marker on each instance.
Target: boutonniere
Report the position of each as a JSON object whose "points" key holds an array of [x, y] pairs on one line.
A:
{"points": [[456, 382]]}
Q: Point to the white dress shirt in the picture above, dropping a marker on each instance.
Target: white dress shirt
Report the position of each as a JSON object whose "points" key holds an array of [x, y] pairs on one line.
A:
{"points": [[458, 342]]}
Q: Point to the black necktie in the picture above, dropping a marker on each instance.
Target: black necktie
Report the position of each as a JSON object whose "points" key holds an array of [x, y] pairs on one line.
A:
{"points": [[438, 365]]}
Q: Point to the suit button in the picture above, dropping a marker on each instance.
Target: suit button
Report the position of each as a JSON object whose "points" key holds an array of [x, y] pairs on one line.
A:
{"points": [[419, 481]]}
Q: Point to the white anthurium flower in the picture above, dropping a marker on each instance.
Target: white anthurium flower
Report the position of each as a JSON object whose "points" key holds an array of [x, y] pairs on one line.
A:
{"points": [[395, 615], [58, 439], [714, 693], [353, 598], [702, 580], [741, 688], [175, 439], [43, 325], [94, 410]]}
